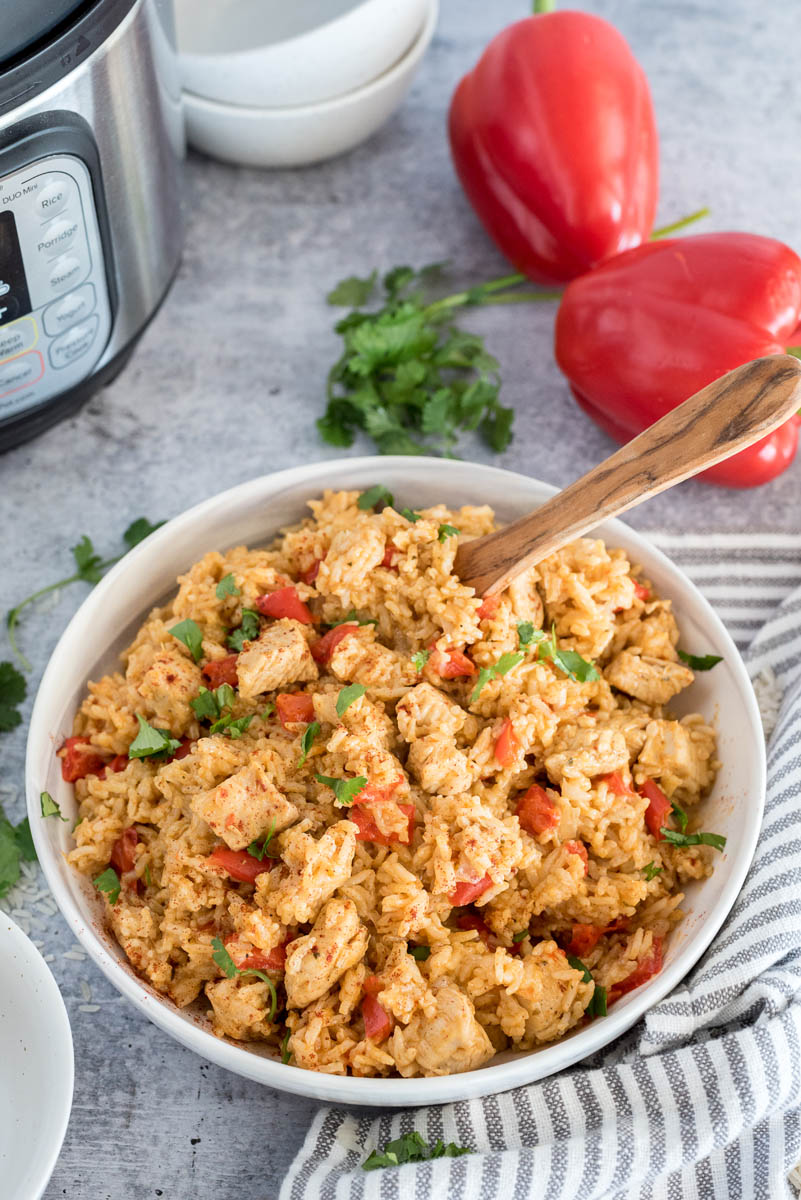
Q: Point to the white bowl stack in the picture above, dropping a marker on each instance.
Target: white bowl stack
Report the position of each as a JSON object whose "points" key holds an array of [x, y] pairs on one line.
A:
{"points": [[275, 84]]}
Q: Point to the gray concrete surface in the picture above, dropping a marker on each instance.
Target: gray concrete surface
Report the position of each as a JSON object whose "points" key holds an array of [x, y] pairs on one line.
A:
{"points": [[226, 385]]}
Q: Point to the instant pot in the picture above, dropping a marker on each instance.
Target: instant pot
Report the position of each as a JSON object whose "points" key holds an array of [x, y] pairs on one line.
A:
{"points": [[91, 140]]}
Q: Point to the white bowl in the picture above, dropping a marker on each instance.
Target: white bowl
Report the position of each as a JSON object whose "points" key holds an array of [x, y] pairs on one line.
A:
{"points": [[274, 54], [253, 513], [36, 1066], [310, 133]]}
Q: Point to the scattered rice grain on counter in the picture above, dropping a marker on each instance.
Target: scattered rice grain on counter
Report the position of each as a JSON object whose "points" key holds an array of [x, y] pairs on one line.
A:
{"points": [[496, 873]]}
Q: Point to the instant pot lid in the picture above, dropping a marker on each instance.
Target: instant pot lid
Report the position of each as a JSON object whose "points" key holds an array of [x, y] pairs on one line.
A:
{"points": [[25, 23]]}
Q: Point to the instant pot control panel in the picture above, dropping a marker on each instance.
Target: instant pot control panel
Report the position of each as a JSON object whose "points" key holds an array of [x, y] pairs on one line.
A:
{"points": [[55, 310]]}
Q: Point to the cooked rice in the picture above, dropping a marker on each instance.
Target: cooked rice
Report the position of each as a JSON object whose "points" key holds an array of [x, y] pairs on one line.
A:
{"points": [[343, 908]]}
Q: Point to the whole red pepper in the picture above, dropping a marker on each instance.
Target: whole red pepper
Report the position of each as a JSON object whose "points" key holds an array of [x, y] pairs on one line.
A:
{"points": [[554, 140], [641, 333]]}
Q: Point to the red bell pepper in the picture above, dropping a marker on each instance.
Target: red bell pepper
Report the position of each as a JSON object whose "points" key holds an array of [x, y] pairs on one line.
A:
{"points": [[554, 140], [638, 335]]}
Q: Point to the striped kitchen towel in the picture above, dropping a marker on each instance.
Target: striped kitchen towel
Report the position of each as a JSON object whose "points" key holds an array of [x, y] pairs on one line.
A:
{"points": [[703, 1097]]}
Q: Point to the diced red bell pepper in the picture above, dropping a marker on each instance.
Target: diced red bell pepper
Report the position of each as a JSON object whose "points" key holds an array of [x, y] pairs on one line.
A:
{"points": [[377, 1022], [372, 792], [584, 938], [285, 602], [368, 829], [118, 763], [507, 746], [450, 663], [646, 969], [323, 649], [579, 848], [466, 893], [222, 670], [77, 762], [294, 708], [658, 810], [123, 858], [373, 984], [536, 811], [311, 573], [274, 960], [184, 749], [391, 554], [241, 866], [489, 607], [471, 920], [641, 591], [617, 784]]}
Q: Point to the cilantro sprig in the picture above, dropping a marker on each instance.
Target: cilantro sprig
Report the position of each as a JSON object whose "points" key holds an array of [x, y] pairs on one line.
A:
{"points": [[716, 840], [650, 871], [16, 846], [209, 705], [345, 790], [230, 970], [419, 659], [411, 1147], [407, 376], [307, 741], [190, 633], [108, 882], [446, 531], [496, 671], [227, 587], [12, 693], [151, 742], [247, 631], [90, 567]]}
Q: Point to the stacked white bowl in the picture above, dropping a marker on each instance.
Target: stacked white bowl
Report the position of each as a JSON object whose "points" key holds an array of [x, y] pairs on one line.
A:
{"points": [[275, 84]]}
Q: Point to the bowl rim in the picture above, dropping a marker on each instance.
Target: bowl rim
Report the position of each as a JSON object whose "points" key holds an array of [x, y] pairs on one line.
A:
{"points": [[407, 62], [392, 1092]]}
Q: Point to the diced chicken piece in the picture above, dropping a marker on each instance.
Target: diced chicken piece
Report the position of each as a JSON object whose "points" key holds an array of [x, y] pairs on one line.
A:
{"points": [[404, 989], [360, 659], [657, 635], [439, 766], [590, 752], [552, 994], [244, 807], [425, 710], [278, 657], [652, 680], [315, 962], [314, 871], [525, 598], [468, 844], [449, 1042], [240, 1009], [679, 755], [364, 757], [168, 685]]}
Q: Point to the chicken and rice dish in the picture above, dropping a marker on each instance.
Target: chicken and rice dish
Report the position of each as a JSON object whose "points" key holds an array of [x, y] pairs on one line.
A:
{"points": [[384, 825]]}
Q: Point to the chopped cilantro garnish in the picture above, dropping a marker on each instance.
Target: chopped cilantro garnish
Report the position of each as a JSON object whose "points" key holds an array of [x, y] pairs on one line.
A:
{"points": [[411, 515], [597, 1004], [526, 633], [268, 710], [351, 618], [680, 815], [306, 742], [247, 631], [259, 850], [146, 875], [12, 693], [421, 953], [150, 741], [446, 531], [497, 671], [109, 883], [234, 728], [16, 844], [49, 806], [374, 496], [349, 695], [519, 937], [412, 1148], [89, 568], [650, 871], [208, 705], [574, 666], [286, 1053], [227, 587], [419, 659], [345, 790], [700, 662], [190, 633], [717, 840], [229, 968], [353, 292]]}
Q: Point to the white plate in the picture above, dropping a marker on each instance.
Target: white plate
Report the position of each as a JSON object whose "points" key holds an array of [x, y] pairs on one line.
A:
{"points": [[309, 133], [253, 513], [36, 1067], [274, 54]]}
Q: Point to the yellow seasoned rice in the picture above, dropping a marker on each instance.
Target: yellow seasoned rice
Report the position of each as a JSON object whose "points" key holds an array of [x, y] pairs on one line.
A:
{"points": [[347, 918]]}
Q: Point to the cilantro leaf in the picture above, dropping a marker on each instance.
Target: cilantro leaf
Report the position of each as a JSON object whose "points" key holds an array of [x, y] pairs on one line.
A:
{"points": [[49, 806], [345, 790], [700, 662], [234, 728], [717, 840], [446, 531], [12, 693], [574, 666], [138, 530], [24, 839], [259, 851], [597, 1003], [525, 633], [88, 563], [349, 695], [205, 705], [150, 742], [351, 618], [374, 496], [410, 515], [519, 937], [227, 587], [247, 631], [230, 970], [191, 635], [578, 965], [680, 815], [352, 292], [109, 883], [411, 1147], [286, 1053], [15, 845], [419, 659], [268, 710], [421, 953], [497, 671], [306, 742], [650, 871]]}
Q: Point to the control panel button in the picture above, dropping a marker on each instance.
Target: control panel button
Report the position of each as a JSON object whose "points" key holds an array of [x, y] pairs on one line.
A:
{"points": [[53, 195], [57, 237], [61, 314], [74, 343], [21, 372], [17, 337], [67, 271]]}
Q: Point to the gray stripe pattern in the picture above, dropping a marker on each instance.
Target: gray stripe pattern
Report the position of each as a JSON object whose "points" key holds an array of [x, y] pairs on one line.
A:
{"points": [[702, 1098]]}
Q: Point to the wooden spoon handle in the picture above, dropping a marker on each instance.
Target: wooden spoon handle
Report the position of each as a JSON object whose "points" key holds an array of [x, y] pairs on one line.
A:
{"points": [[733, 412]]}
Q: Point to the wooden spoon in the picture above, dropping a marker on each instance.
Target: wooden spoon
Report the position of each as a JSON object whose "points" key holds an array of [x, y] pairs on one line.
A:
{"points": [[733, 412]]}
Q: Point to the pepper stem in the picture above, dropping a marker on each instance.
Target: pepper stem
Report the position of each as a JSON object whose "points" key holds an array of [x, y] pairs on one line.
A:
{"points": [[543, 6], [493, 292], [794, 350], [682, 223]]}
